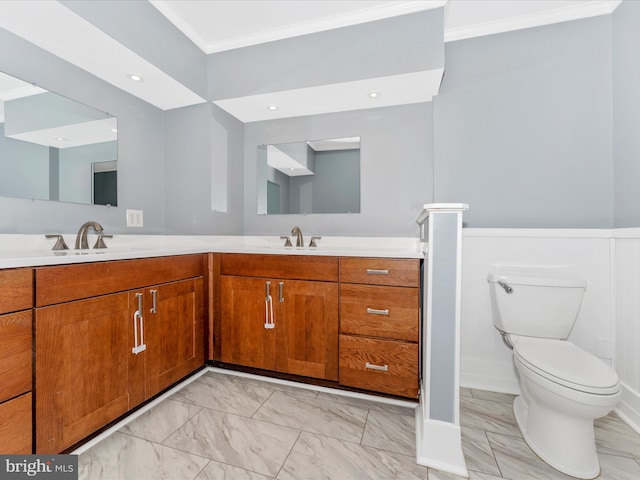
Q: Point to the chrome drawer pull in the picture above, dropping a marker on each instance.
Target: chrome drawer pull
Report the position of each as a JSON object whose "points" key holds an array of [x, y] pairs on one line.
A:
{"points": [[373, 271], [375, 311], [154, 301], [371, 366]]}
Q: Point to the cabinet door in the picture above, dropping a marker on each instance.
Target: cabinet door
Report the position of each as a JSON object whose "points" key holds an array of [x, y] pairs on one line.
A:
{"points": [[82, 370], [174, 323], [244, 338], [307, 328]]}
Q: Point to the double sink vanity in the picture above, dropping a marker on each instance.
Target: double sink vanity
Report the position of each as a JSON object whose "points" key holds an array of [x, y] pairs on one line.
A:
{"points": [[88, 335]]}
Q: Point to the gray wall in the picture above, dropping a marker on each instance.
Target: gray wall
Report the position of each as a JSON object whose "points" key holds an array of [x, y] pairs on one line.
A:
{"points": [[139, 26], [626, 114], [194, 136], [403, 44], [396, 166], [140, 148], [533, 128], [523, 127]]}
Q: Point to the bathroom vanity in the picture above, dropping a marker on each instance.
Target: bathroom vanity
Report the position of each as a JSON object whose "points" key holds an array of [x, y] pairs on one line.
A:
{"points": [[345, 319], [112, 330], [110, 335]]}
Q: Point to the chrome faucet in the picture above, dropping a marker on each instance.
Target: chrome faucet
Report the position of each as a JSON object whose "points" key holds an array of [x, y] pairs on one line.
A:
{"points": [[81, 239], [299, 241]]}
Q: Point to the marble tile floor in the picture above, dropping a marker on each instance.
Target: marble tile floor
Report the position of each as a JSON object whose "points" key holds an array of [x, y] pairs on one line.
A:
{"points": [[237, 428]]}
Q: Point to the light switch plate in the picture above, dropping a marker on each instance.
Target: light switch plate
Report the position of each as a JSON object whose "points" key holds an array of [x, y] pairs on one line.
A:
{"points": [[134, 218]]}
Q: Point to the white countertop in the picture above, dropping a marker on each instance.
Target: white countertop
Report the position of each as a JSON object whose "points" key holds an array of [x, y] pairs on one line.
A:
{"points": [[33, 250]]}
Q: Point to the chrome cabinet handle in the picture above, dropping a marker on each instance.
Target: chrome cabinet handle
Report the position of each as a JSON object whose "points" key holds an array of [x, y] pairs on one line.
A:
{"points": [[375, 311], [154, 301], [269, 321], [373, 271], [281, 291], [138, 320], [371, 366], [139, 297]]}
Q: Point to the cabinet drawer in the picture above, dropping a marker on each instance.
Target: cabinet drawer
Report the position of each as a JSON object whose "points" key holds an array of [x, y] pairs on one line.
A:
{"points": [[15, 426], [390, 312], [16, 290], [295, 267], [15, 354], [381, 271], [396, 362], [65, 283]]}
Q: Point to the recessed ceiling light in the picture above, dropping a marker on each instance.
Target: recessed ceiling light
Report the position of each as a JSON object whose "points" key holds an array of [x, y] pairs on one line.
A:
{"points": [[273, 107], [373, 94], [60, 139], [135, 77], [114, 130]]}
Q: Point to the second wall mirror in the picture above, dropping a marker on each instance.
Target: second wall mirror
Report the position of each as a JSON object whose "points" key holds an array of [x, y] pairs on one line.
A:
{"points": [[314, 176]]}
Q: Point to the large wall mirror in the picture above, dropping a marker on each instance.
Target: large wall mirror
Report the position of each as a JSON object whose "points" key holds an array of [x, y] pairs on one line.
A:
{"points": [[320, 176], [53, 148]]}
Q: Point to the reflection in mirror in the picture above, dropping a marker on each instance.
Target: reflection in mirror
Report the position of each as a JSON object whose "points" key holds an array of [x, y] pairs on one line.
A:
{"points": [[320, 176], [53, 148]]}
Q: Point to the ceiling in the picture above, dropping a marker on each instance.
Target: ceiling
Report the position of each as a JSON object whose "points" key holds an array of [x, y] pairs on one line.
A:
{"points": [[221, 25]]}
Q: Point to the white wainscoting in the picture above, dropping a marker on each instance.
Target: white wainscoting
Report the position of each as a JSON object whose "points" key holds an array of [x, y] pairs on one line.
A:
{"points": [[627, 308], [609, 321]]}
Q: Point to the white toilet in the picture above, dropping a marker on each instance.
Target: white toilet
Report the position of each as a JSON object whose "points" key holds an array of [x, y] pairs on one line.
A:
{"points": [[563, 388]]}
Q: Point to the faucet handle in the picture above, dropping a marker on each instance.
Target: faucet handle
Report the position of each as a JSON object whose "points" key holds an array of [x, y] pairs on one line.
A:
{"points": [[60, 243], [287, 243], [100, 242], [312, 243]]}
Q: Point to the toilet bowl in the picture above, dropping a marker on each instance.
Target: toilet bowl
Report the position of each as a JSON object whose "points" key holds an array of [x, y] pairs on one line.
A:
{"points": [[563, 390]]}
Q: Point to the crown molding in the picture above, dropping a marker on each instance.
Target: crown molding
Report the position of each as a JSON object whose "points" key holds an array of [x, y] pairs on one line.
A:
{"points": [[304, 28], [585, 10], [180, 23]]}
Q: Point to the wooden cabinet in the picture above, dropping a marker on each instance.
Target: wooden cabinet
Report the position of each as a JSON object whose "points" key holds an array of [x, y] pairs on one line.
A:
{"points": [[280, 313], [136, 328], [379, 324], [16, 300]]}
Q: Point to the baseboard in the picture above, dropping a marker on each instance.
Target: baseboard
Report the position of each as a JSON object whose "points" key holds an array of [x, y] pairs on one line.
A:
{"points": [[439, 445], [492, 376], [629, 407]]}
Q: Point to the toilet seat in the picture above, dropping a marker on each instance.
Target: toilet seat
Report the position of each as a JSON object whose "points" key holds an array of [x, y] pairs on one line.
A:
{"points": [[562, 362]]}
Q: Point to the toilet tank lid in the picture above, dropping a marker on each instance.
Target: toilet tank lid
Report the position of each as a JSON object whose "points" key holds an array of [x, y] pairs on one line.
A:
{"points": [[537, 280]]}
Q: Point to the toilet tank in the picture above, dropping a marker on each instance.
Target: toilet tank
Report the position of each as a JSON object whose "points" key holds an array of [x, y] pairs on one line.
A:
{"points": [[542, 302]]}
